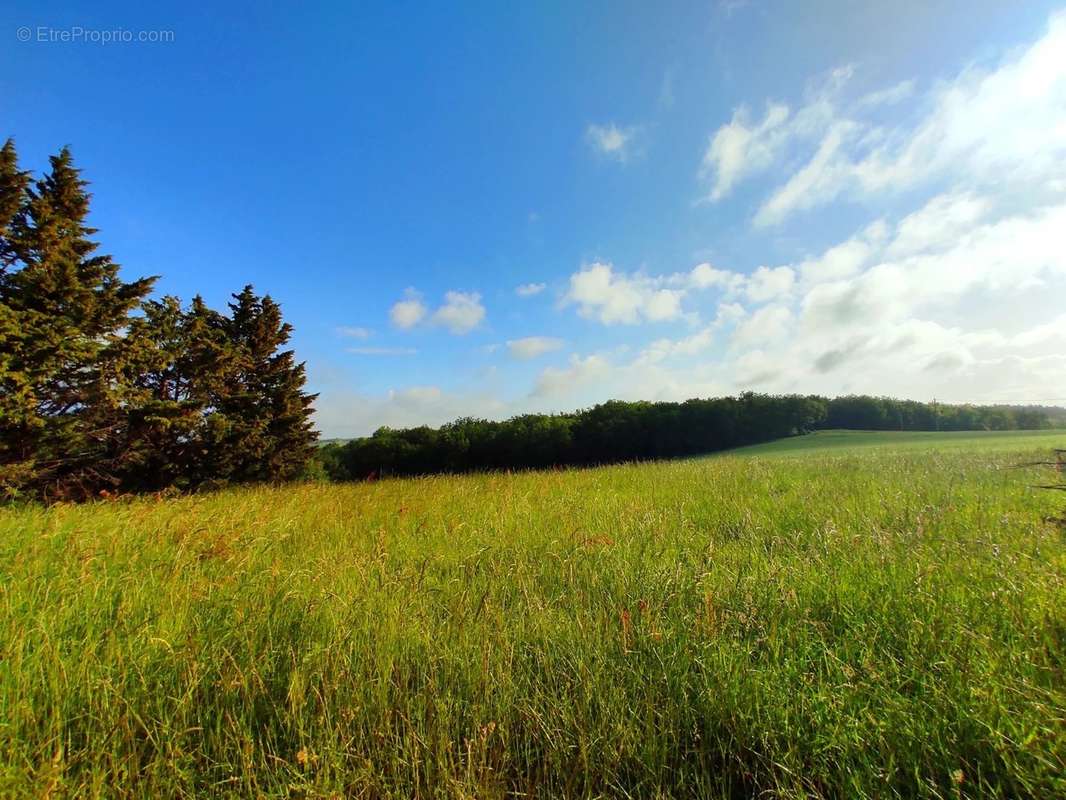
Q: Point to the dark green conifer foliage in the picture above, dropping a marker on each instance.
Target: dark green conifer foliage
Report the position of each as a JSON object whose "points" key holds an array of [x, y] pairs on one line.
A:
{"points": [[72, 309], [263, 429], [163, 358], [102, 389], [15, 388], [13, 185]]}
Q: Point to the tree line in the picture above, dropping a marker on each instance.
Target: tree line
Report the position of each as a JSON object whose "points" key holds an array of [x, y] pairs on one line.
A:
{"points": [[104, 390], [630, 431]]}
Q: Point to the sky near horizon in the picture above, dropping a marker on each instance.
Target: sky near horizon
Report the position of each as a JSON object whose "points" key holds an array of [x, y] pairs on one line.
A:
{"points": [[497, 208]]}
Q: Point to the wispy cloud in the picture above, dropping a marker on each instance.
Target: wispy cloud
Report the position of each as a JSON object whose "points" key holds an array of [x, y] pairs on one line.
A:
{"points": [[533, 346], [383, 351], [611, 141], [349, 332], [530, 289], [1002, 128]]}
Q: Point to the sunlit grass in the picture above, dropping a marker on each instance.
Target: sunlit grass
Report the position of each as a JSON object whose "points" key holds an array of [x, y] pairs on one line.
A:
{"points": [[865, 621]]}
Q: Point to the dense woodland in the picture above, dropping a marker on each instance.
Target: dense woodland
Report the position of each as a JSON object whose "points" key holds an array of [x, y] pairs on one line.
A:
{"points": [[620, 431], [103, 390]]}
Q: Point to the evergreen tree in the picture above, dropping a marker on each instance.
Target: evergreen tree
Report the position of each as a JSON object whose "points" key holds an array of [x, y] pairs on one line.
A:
{"points": [[62, 403], [15, 388], [165, 372], [13, 185], [263, 429]]}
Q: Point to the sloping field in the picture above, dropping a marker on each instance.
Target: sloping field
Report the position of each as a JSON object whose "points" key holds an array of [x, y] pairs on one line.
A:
{"points": [[881, 617], [902, 441]]}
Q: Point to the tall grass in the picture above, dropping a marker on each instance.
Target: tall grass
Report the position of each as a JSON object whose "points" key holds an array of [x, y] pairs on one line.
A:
{"points": [[855, 624]]}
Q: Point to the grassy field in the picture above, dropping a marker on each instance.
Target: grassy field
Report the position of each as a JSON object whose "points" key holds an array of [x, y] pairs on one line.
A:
{"points": [[885, 616], [899, 441]]}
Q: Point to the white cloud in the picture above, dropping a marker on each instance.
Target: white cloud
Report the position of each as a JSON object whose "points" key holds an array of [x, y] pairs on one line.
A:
{"points": [[890, 96], [581, 371], [610, 297], [349, 332], [845, 259], [705, 276], [405, 314], [766, 326], [939, 223], [1054, 331], [996, 257], [461, 312], [530, 289], [1002, 128], [612, 141], [740, 148], [666, 349], [533, 346], [818, 178], [728, 314], [768, 283]]}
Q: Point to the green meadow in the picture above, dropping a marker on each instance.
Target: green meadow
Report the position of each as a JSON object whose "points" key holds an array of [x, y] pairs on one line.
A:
{"points": [[841, 615]]}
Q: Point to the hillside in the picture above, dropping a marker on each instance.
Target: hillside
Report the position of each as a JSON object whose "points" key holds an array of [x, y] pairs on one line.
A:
{"points": [[843, 441]]}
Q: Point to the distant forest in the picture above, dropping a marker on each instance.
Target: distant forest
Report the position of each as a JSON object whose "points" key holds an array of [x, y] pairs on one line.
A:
{"points": [[620, 431]]}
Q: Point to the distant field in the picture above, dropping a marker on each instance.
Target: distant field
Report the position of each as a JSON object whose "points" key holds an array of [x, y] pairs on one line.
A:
{"points": [[883, 617], [988, 441]]}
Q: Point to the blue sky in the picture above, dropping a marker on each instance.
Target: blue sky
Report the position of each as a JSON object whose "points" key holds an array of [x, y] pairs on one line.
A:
{"points": [[699, 198]]}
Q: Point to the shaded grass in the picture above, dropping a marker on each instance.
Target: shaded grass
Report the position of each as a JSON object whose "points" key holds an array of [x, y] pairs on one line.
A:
{"points": [[862, 622]]}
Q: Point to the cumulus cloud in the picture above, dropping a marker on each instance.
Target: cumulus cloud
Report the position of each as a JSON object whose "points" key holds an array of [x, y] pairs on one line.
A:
{"points": [[997, 257], [666, 349], [612, 141], [1054, 331], [846, 258], [407, 313], [611, 297], [530, 289], [460, 313], [768, 325], [768, 283], [705, 276], [728, 314], [939, 223], [533, 346], [581, 371]]}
